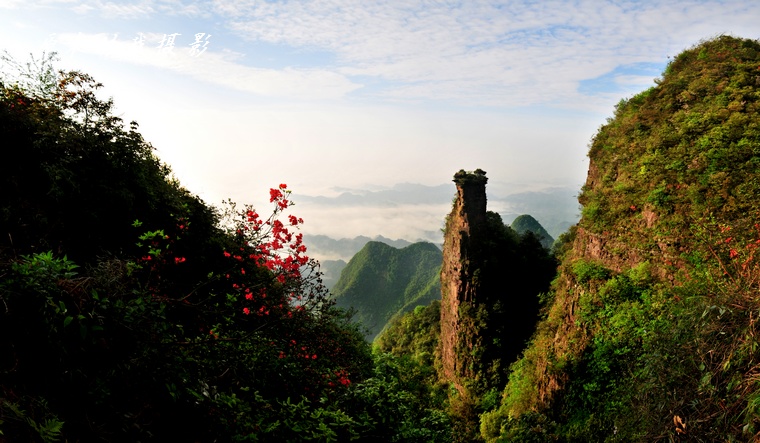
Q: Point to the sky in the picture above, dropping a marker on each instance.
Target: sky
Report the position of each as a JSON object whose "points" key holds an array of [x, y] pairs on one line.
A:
{"points": [[360, 97]]}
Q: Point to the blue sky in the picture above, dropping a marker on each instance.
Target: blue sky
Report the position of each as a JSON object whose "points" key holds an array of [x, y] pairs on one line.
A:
{"points": [[334, 95]]}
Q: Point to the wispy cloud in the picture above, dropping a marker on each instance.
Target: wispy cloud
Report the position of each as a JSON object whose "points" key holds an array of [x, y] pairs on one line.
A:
{"points": [[218, 68], [493, 53], [126, 10], [482, 53], [120, 10]]}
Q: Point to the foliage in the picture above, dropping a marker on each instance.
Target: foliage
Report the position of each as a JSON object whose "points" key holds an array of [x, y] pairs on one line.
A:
{"points": [[401, 403], [414, 334], [131, 311], [506, 313], [79, 178], [381, 281]]}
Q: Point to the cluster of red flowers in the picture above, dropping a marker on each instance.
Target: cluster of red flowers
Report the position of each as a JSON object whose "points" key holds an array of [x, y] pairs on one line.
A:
{"points": [[339, 378], [277, 284], [270, 244], [743, 265], [276, 196]]}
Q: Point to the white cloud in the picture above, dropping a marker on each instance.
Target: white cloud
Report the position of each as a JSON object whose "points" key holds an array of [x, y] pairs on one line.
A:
{"points": [[216, 68], [493, 53], [639, 81], [10, 4], [128, 10]]}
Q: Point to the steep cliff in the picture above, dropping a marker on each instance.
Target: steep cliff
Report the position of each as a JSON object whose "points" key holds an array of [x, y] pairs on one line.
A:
{"points": [[491, 279], [465, 226], [651, 332]]}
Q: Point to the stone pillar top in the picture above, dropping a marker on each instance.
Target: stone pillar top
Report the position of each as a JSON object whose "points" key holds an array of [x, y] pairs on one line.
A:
{"points": [[477, 176]]}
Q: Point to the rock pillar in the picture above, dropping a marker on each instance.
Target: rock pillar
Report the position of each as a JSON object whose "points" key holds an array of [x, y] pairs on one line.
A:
{"points": [[465, 226]]}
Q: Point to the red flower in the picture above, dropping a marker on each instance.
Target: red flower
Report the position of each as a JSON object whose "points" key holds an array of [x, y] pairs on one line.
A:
{"points": [[274, 194], [246, 311]]}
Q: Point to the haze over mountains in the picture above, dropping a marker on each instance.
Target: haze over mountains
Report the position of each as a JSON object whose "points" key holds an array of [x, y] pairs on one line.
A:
{"points": [[408, 213], [387, 279]]}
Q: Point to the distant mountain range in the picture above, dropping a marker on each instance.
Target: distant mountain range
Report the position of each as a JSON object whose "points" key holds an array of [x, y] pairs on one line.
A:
{"points": [[416, 212], [556, 208], [329, 248], [381, 281]]}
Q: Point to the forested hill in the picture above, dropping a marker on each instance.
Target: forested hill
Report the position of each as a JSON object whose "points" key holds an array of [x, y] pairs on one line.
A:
{"points": [[381, 281], [651, 331], [526, 223]]}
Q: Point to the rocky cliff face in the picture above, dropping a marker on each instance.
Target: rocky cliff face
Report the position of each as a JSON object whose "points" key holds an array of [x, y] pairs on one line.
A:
{"points": [[464, 227]]}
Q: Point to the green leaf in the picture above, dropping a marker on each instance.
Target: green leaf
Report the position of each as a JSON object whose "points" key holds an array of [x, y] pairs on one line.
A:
{"points": [[67, 321]]}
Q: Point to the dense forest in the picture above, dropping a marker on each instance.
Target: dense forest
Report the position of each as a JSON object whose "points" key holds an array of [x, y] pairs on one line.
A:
{"points": [[130, 310]]}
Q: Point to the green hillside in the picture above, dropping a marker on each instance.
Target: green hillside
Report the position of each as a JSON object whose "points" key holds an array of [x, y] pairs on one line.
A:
{"points": [[526, 223], [651, 332], [380, 281]]}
